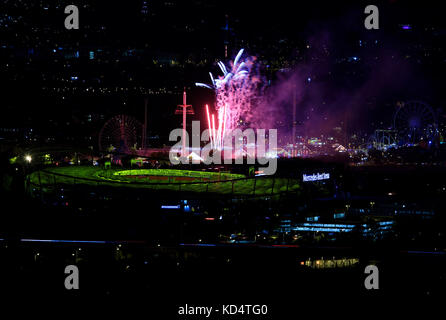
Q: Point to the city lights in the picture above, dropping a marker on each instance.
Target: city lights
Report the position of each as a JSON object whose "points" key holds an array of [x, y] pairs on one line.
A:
{"points": [[311, 166]]}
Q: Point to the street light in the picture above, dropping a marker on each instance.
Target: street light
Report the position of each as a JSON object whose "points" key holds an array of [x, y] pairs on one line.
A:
{"points": [[28, 158]]}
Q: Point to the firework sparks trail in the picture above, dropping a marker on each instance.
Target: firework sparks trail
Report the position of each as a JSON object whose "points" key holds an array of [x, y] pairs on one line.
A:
{"points": [[213, 129], [209, 126], [235, 91]]}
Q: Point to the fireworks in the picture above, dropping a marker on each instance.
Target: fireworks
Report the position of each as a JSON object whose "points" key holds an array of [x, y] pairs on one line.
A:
{"points": [[235, 90]]}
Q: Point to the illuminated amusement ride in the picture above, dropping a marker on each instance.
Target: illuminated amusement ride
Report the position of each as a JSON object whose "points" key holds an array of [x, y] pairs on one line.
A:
{"points": [[415, 121], [122, 133]]}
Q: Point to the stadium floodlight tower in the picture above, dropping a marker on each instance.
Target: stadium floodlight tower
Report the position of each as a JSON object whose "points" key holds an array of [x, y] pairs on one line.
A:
{"points": [[184, 109]]}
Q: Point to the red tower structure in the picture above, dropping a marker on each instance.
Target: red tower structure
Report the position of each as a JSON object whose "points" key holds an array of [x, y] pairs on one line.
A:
{"points": [[184, 109]]}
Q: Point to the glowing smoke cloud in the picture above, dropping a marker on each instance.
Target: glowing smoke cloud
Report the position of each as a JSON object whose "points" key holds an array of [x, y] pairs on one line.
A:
{"points": [[235, 90]]}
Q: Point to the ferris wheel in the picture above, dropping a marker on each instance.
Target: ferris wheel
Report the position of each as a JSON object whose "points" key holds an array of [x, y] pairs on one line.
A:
{"points": [[120, 133], [415, 121]]}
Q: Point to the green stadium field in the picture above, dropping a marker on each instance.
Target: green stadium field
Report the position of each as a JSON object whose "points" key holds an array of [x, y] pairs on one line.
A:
{"points": [[164, 179]]}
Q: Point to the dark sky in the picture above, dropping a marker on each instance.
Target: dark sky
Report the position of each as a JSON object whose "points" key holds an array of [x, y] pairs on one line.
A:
{"points": [[192, 28], [257, 20]]}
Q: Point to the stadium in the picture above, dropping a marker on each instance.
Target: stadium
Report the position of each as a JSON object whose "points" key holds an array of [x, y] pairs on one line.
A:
{"points": [[173, 180]]}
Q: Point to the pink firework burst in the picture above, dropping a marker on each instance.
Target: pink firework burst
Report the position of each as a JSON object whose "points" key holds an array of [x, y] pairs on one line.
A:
{"points": [[235, 92]]}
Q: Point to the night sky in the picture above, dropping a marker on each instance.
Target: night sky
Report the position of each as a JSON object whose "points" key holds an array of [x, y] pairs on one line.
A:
{"points": [[297, 41]]}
